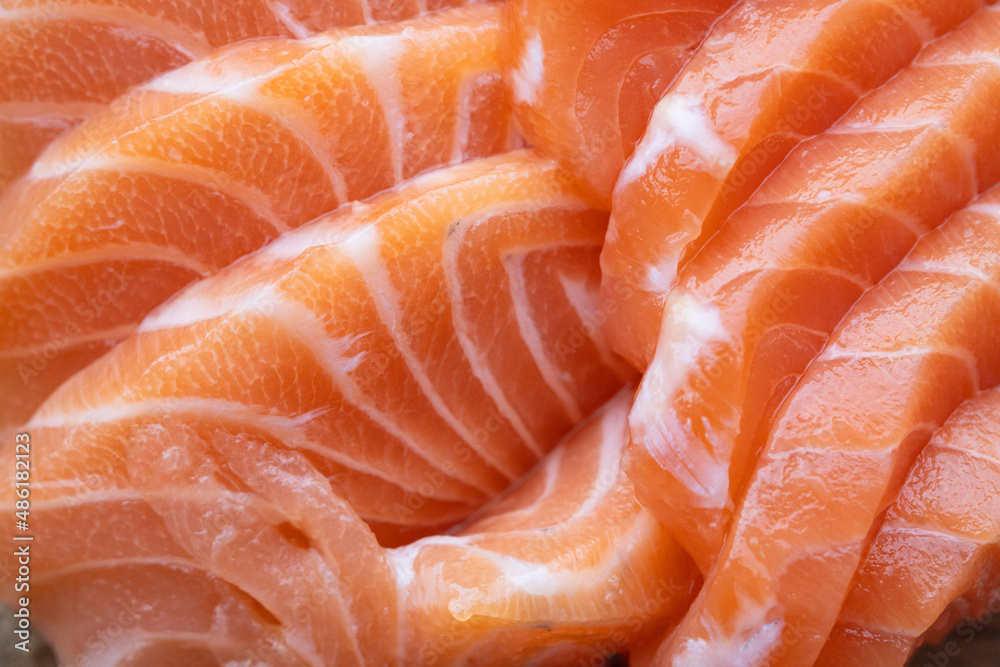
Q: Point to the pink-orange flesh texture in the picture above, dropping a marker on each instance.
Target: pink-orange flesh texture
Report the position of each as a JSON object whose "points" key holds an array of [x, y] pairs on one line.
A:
{"points": [[186, 542], [423, 349], [937, 539], [756, 305], [565, 569], [62, 61], [584, 75], [770, 74], [907, 355], [212, 160]]}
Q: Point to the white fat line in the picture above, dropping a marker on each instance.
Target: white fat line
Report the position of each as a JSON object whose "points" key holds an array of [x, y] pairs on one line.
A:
{"points": [[85, 566], [378, 57], [62, 342], [532, 337], [452, 246], [329, 229], [859, 127], [86, 497], [986, 207], [285, 18], [608, 475], [835, 352], [366, 11], [958, 271], [48, 113], [948, 446], [937, 532], [134, 251], [587, 305], [200, 303], [204, 178], [680, 120], [363, 249], [526, 78], [463, 121], [190, 43]]}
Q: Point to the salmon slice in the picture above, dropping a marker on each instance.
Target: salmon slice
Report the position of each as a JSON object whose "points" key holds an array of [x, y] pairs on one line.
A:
{"points": [[756, 305], [212, 160], [565, 569], [411, 347], [940, 533], [771, 73], [222, 546], [63, 61], [908, 354], [585, 76], [176, 543]]}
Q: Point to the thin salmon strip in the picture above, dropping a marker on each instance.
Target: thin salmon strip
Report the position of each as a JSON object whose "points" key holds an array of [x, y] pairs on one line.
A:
{"points": [[908, 354], [566, 569], [938, 536], [63, 60], [584, 76], [212, 160], [771, 73], [756, 305], [423, 349]]}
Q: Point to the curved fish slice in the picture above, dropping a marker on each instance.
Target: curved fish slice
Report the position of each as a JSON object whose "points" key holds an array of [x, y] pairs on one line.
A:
{"points": [[214, 159], [770, 74], [566, 569], [61, 61], [585, 75], [423, 349], [183, 543], [908, 354], [939, 535], [756, 305]]}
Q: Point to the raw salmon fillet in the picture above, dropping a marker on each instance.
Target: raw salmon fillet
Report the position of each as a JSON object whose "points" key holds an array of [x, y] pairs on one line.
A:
{"points": [[566, 569], [423, 349], [770, 74], [755, 306], [212, 160], [902, 361], [62, 61], [585, 75], [937, 539]]}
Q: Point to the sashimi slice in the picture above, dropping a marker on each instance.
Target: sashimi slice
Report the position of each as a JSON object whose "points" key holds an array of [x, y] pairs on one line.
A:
{"points": [[184, 544], [566, 569], [584, 76], [63, 60], [908, 354], [212, 160], [409, 346], [755, 306], [770, 74], [938, 536]]}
